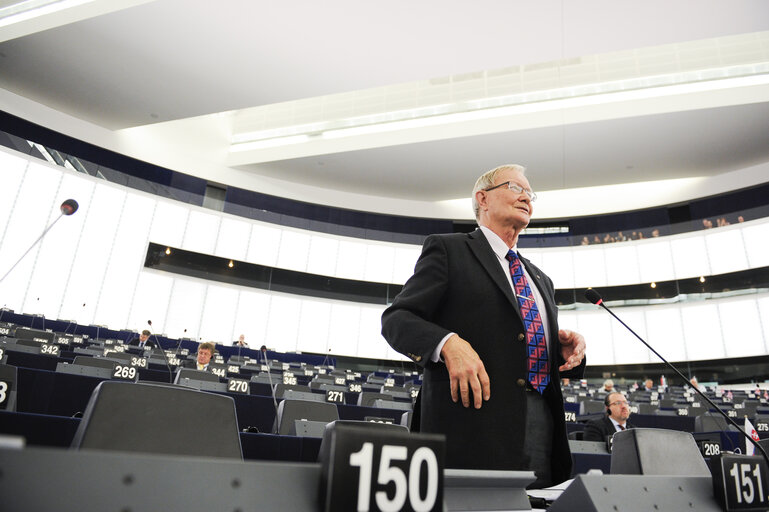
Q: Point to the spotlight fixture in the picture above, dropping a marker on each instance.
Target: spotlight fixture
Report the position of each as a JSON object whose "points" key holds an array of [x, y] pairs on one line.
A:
{"points": [[702, 279], [230, 264], [654, 285], [168, 250]]}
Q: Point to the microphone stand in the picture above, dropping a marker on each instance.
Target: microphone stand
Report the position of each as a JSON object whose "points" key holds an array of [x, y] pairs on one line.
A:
{"points": [[596, 299], [68, 207], [163, 352]]}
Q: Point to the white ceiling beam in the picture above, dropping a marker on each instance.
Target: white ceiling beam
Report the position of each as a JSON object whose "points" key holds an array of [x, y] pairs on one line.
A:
{"points": [[57, 14]]}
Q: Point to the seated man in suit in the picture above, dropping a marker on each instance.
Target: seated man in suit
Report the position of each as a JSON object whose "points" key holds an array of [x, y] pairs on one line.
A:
{"points": [[205, 353], [143, 340], [617, 413], [240, 342]]}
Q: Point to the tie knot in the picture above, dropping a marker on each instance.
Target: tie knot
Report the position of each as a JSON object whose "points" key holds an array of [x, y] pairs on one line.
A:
{"points": [[511, 255]]}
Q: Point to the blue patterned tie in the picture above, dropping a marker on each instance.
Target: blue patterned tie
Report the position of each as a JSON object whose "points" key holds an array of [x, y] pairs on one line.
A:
{"points": [[536, 346]]}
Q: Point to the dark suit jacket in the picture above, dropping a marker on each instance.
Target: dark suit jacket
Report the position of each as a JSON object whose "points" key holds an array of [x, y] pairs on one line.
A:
{"points": [[135, 342], [192, 363], [600, 429], [459, 286]]}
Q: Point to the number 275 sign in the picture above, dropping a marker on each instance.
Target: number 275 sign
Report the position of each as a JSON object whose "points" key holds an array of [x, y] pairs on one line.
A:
{"points": [[382, 469]]}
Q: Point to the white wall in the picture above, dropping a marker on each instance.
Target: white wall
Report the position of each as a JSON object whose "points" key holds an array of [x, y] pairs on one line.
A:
{"points": [[89, 269]]}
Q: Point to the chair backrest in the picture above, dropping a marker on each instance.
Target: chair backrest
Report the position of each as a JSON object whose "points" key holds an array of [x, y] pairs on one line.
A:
{"points": [[193, 374], [646, 408], [367, 398], [291, 410], [591, 407], [149, 418], [712, 422], [656, 451], [98, 362]]}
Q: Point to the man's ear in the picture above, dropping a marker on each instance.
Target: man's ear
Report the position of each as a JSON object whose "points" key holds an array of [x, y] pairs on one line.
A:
{"points": [[480, 197]]}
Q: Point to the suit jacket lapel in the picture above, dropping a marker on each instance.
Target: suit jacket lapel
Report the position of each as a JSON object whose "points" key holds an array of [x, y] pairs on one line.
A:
{"points": [[488, 260]]}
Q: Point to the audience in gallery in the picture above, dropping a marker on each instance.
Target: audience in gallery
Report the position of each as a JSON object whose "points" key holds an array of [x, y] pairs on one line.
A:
{"points": [[624, 236]]}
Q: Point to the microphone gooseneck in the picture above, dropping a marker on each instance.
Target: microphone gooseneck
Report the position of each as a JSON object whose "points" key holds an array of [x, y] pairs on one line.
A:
{"points": [[163, 352], [594, 297], [68, 207]]}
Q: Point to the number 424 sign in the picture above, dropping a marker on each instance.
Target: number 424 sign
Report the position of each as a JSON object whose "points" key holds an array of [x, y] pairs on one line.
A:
{"points": [[380, 468]]}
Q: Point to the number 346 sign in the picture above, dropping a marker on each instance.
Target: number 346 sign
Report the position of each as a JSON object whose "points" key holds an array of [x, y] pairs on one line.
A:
{"points": [[373, 467]]}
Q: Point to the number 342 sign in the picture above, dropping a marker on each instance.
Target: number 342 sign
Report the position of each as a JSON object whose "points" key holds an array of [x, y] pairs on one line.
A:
{"points": [[374, 467]]}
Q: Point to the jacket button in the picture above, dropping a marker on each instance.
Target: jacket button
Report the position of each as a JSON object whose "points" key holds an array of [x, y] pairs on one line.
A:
{"points": [[521, 337], [521, 383]]}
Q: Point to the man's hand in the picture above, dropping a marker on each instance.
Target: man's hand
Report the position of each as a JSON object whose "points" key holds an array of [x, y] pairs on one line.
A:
{"points": [[572, 349], [466, 372]]}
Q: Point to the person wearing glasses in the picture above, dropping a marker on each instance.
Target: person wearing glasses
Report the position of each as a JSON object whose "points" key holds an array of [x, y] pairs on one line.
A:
{"points": [[617, 413], [482, 321]]}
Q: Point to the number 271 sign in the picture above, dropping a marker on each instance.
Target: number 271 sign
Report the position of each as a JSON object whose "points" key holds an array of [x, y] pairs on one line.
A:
{"points": [[381, 469]]}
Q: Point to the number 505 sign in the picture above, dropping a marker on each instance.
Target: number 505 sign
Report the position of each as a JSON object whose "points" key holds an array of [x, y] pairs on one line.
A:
{"points": [[374, 467]]}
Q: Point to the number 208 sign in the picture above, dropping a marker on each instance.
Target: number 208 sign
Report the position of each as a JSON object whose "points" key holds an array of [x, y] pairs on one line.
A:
{"points": [[381, 470]]}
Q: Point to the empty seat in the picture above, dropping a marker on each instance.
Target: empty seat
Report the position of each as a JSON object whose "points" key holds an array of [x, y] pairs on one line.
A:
{"points": [[367, 398], [98, 362], [152, 418], [646, 408], [290, 411], [591, 407], [653, 451], [712, 422]]}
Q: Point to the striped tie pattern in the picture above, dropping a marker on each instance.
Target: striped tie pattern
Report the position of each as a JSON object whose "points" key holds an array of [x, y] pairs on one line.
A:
{"points": [[536, 345]]}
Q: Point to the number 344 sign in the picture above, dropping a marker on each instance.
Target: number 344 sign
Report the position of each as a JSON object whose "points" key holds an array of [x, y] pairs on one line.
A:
{"points": [[375, 467]]}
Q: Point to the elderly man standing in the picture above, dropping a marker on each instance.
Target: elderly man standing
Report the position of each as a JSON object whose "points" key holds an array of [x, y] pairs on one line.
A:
{"points": [[482, 320]]}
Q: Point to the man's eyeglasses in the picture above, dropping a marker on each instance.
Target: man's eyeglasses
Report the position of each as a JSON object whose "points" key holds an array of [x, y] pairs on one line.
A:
{"points": [[619, 402], [515, 188]]}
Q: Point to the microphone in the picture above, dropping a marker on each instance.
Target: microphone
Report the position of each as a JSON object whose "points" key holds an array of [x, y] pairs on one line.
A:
{"points": [[269, 378], [70, 323], [178, 345], [68, 207], [165, 358], [594, 297]]}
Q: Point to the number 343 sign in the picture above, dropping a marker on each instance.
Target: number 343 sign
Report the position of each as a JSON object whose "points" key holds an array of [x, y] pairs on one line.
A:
{"points": [[381, 468]]}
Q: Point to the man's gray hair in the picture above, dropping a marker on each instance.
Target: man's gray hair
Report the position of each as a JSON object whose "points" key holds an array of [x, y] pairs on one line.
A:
{"points": [[487, 180]]}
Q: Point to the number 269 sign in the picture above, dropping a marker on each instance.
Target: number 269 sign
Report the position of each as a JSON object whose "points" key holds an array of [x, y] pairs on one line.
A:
{"points": [[382, 469]]}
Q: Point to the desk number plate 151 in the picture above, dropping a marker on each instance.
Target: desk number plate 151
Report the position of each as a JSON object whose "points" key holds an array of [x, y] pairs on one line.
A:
{"points": [[740, 482]]}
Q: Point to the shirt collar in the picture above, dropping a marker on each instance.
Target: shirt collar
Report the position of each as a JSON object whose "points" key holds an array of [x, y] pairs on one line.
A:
{"points": [[615, 422], [499, 247]]}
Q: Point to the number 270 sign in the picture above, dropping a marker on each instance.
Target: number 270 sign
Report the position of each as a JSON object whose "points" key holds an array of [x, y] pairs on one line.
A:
{"points": [[379, 469]]}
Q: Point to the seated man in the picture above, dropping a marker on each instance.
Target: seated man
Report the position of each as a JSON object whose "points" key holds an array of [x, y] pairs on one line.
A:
{"points": [[205, 353], [617, 413], [240, 342], [143, 340]]}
